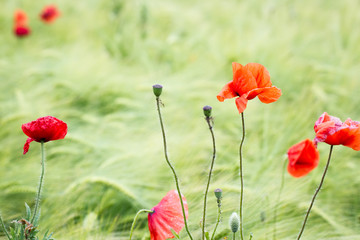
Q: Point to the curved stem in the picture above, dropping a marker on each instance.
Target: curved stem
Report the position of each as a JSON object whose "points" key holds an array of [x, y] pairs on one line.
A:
{"points": [[135, 218], [171, 167], [316, 193], [278, 199], [218, 219], [241, 177], [4, 228], [208, 120], [37, 201]]}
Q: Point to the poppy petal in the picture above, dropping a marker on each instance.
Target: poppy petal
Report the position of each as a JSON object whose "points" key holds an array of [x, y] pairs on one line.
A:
{"points": [[167, 215], [303, 158], [243, 80], [241, 103], [260, 73], [27, 145], [226, 92], [269, 95]]}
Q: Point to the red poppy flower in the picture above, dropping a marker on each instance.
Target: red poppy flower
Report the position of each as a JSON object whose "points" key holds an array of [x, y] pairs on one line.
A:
{"points": [[167, 215], [303, 158], [331, 130], [49, 13], [21, 28], [21, 31], [44, 129], [248, 82]]}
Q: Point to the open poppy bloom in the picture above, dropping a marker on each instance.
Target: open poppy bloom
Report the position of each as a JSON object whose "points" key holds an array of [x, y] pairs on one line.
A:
{"points": [[167, 215], [248, 82], [331, 130], [44, 129], [303, 158], [21, 28], [49, 13]]}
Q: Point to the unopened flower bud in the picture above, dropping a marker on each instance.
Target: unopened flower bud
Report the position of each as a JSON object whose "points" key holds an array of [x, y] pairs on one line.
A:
{"points": [[157, 88], [218, 193], [234, 222], [207, 111]]}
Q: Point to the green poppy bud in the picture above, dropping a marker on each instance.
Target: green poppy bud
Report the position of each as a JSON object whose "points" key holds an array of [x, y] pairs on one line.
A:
{"points": [[207, 111], [218, 193], [157, 88]]}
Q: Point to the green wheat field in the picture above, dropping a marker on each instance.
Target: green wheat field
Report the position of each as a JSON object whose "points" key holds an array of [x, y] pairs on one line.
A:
{"points": [[94, 68]]}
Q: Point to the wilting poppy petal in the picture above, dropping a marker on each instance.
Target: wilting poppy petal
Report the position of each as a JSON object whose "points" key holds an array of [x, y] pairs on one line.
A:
{"points": [[226, 92], [44, 129], [303, 158], [241, 103], [332, 131], [260, 73], [27, 145], [243, 80], [49, 14], [167, 215]]}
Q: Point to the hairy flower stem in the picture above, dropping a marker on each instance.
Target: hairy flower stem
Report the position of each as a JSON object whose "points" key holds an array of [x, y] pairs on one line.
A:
{"points": [[218, 218], [171, 167], [38, 197], [208, 120], [241, 177], [278, 198], [135, 218], [316, 193], [4, 228]]}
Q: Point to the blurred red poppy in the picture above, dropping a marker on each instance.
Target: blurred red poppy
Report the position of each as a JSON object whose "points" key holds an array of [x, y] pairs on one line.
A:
{"points": [[303, 158], [167, 215], [248, 82], [49, 13], [44, 129], [21, 28], [331, 130]]}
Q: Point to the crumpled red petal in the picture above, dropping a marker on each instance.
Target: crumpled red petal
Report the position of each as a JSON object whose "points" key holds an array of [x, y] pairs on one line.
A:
{"points": [[167, 215], [241, 103], [27, 145], [226, 92], [260, 73], [243, 80]]}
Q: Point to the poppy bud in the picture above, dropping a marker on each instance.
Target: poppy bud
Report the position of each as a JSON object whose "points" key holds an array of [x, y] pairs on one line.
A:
{"points": [[218, 193], [234, 222], [207, 111], [157, 88]]}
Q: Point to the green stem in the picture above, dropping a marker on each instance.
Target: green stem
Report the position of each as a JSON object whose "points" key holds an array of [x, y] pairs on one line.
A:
{"points": [[4, 228], [278, 199], [316, 193], [241, 177], [218, 218], [37, 201], [208, 120], [135, 218], [171, 167], [234, 236]]}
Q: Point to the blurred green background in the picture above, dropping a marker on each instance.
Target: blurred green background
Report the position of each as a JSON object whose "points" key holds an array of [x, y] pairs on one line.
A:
{"points": [[94, 68]]}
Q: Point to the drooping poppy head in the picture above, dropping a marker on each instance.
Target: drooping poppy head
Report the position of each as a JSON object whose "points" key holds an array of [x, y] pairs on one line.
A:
{"points": [[303, 158], [248, 82], [44, 129], [331, 130], [49, 14], [167, 215]]}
